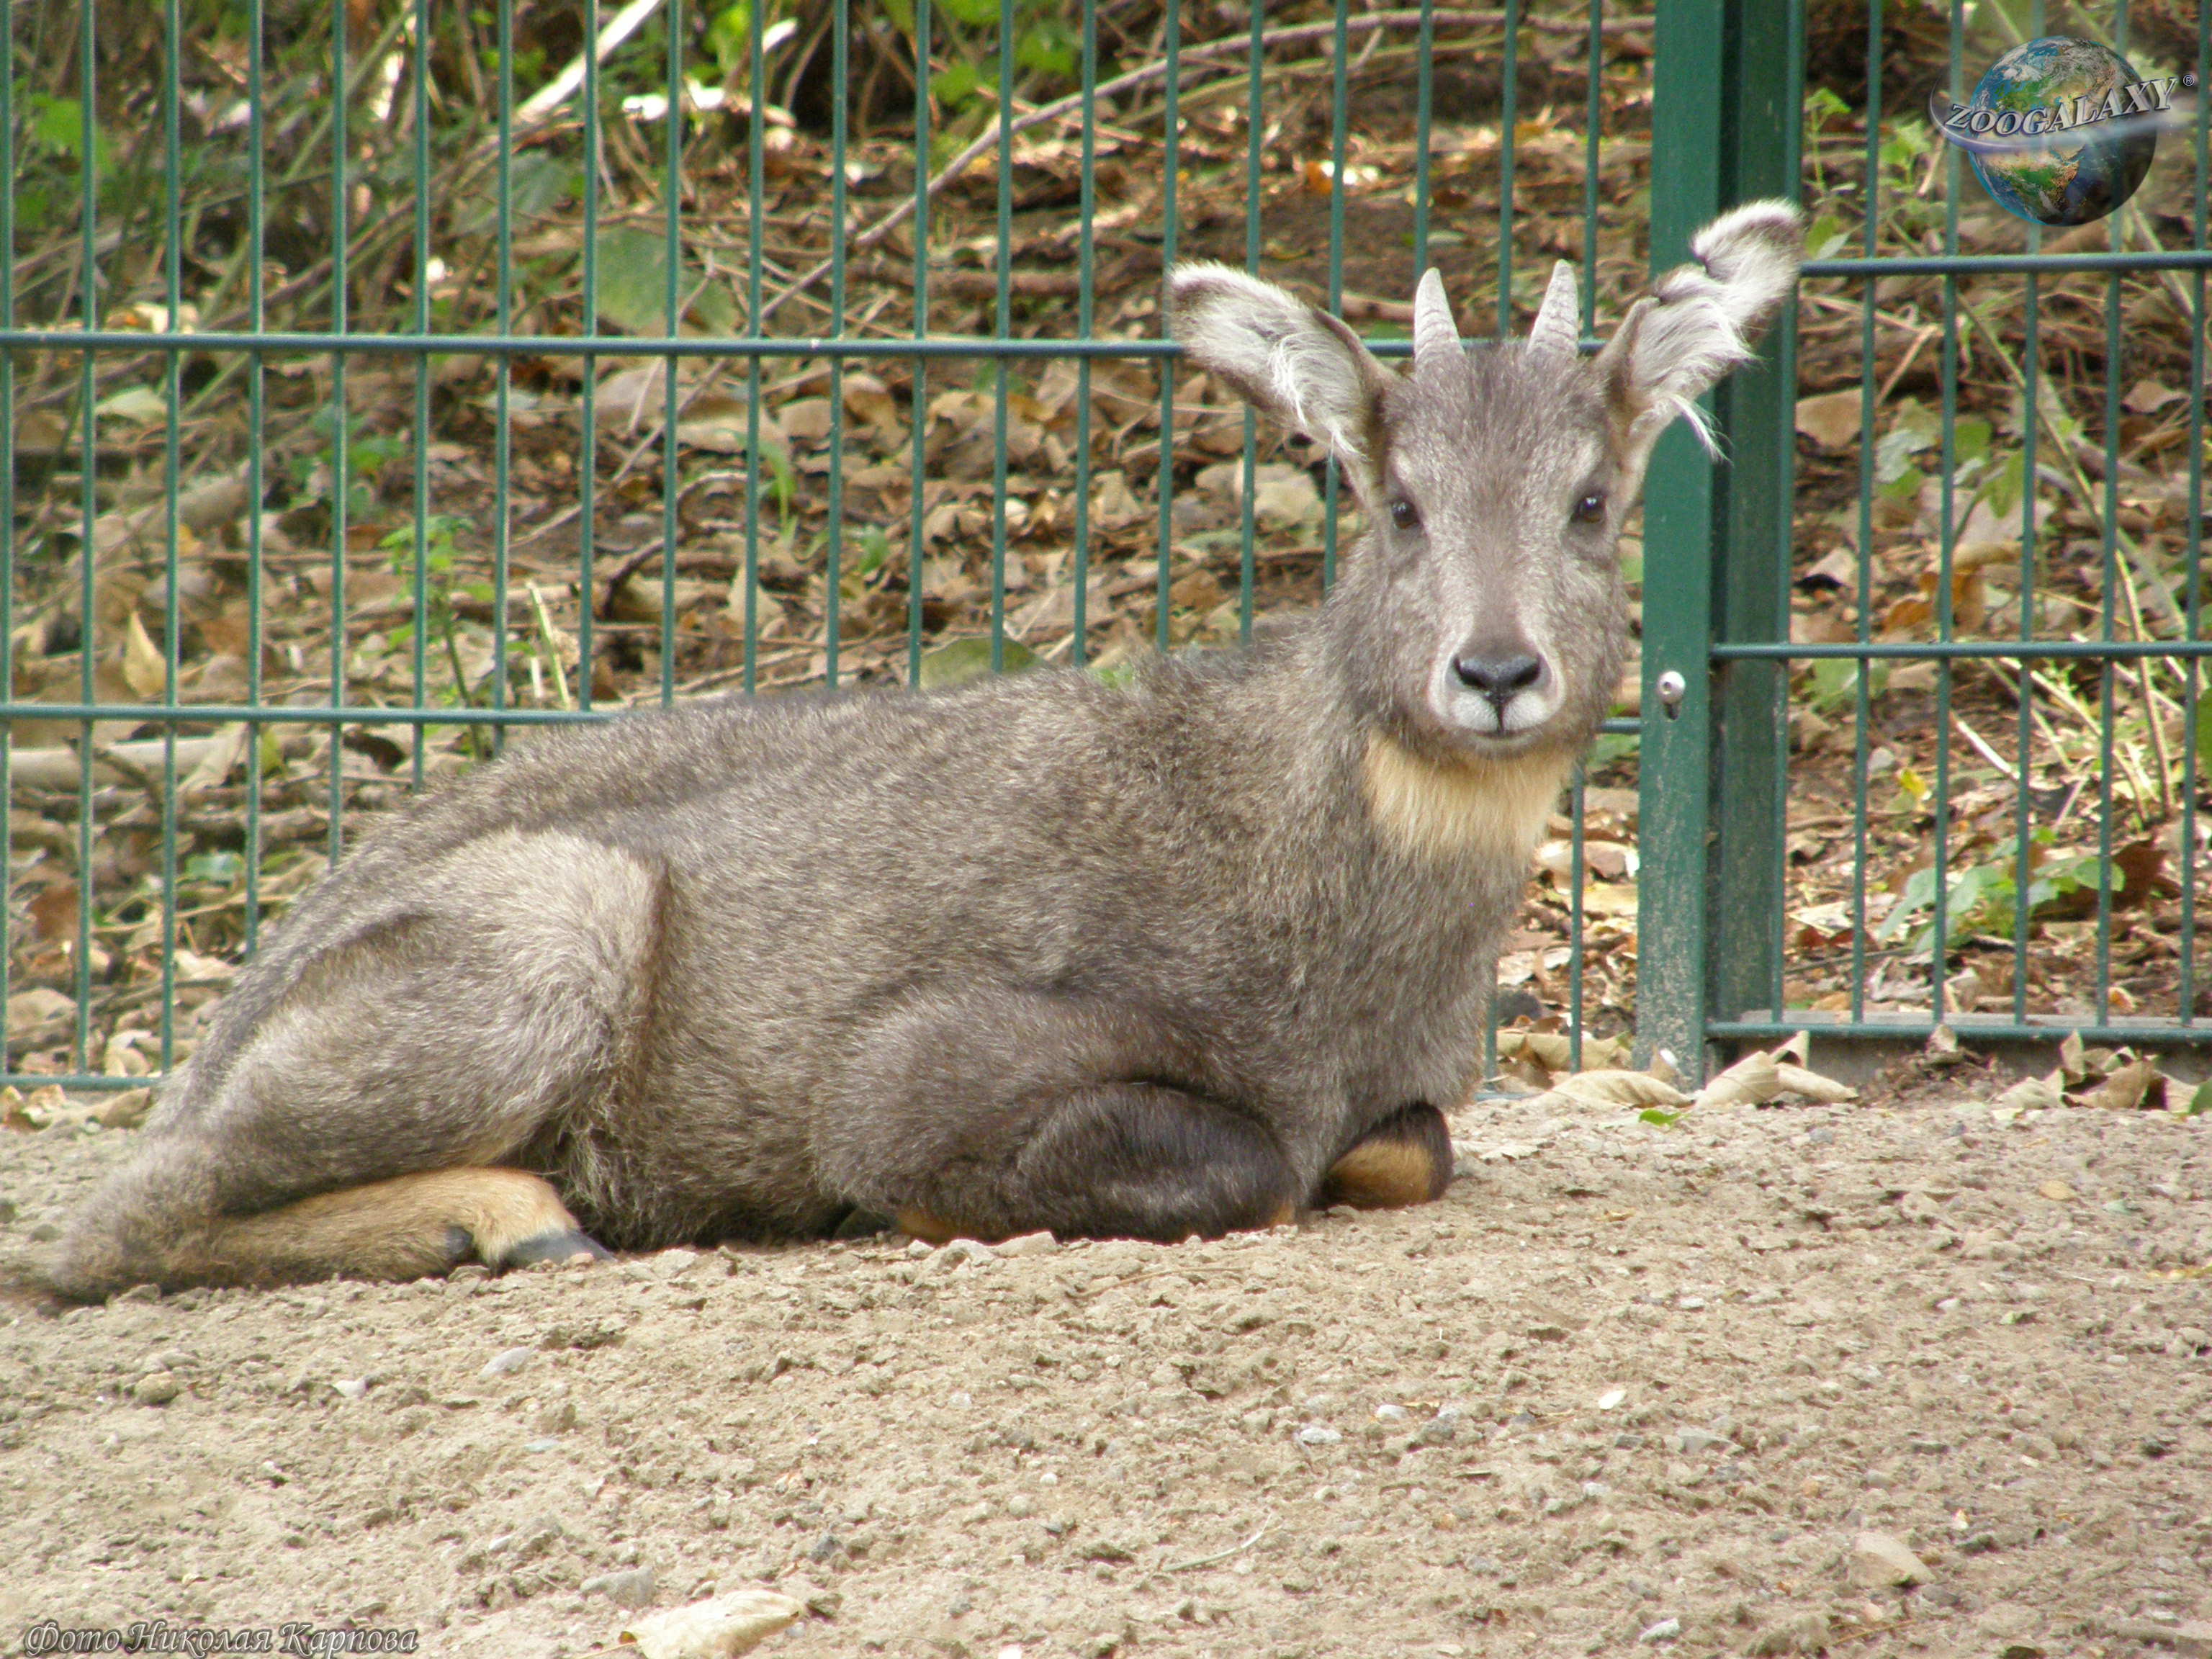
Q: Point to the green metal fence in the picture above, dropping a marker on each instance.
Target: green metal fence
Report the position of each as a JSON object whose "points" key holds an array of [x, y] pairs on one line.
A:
{"points": [[369, 392], [1716, 783]]}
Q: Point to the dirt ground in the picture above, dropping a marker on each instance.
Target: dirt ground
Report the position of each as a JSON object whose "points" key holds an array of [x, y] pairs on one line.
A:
{"points": [[1625, 1388]]}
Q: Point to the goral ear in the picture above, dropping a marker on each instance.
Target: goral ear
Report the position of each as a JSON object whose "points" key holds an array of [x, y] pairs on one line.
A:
{"points": [[1700, 320], [1300, 365]]}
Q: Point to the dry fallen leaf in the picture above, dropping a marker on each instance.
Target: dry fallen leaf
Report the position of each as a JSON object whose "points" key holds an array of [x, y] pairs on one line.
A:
{"points": [[142, 664], [1831, 419], [2057, 1191], [714, 1629], [1750, 1082], [1798, 1080], [2123, 1091], [2035, 1093], [1619, 1088]]}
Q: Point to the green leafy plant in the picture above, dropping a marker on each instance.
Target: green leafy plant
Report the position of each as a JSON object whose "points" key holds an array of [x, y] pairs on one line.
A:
{"points": [[439, 553], [1983, 897]]}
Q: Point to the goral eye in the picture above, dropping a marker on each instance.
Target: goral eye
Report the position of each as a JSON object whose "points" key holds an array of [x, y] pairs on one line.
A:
{"points": [[1590, 508], [1404, 515]]}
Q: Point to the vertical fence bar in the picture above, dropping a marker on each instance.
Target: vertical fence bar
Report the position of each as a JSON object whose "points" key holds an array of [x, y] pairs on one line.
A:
{"points": [[755, 200], [1423, 111], [2023, 806], [1761, 116], [1593, 120], [1946, 538], [257, 414], [1086, 302], [503, 386], [587, 411], [341, 422], [1002, 320], [8, 549], [1509, 113], [1675, 753], [919, 504], [671, 191], [419, 632], [173, 296], [1170, 118], [2193, 538], [88, 508], [1332, 486], [833, 554], [1862, 575], [1783, 529], [1249, 455]]}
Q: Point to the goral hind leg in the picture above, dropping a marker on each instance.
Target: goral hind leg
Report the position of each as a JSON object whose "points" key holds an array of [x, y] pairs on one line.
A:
{"points": [[404, 1228], [368, 1119], [1405, 1159]]}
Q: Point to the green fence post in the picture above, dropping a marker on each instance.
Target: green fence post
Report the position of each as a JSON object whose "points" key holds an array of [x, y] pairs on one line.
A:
{"points": [[1756, 420], [1723, 131], [1675, 755]]}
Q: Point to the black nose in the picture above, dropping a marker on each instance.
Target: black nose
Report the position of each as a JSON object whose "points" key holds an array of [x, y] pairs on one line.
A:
{"points": [[1498, 678]]}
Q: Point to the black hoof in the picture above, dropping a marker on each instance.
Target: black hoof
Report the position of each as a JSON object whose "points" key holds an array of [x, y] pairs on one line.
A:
{"points": [[460, 1246], [557, 1247]]}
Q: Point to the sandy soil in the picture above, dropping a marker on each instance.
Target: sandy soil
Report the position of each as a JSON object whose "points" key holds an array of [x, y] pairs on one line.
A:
{"points": [[1624, 1389]]}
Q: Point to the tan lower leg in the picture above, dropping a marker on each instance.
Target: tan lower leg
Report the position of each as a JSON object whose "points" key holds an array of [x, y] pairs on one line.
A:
{"points": [[930, 1229], [1382, 1175], [397, 1229]]}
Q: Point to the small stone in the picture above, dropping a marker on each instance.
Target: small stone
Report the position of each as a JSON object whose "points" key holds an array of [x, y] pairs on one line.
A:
{"points": [[1391, 1414], [507, 1364], [1029, 1244], [352, 1388], [1318, 1434], [1807, 1633], [630, 1588], [964, 1252], [2005, 1621], [917, 1250], [1439, 1429], [1880, 1561], [714, 1629], [1665, 1630], [155, 1388], [1691, 1442]]}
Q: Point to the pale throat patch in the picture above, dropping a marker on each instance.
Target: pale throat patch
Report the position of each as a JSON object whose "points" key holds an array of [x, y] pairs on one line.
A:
{"points": [[1476, 809]]}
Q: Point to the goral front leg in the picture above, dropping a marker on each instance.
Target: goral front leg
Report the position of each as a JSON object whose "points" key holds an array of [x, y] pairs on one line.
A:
{"points": [[1407, 1159]]}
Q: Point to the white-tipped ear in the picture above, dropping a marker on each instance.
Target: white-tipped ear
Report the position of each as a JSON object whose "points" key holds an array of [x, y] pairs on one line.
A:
{"points": [[1700, 318], [1435, 333], [1559, 325], [1286, 359]]}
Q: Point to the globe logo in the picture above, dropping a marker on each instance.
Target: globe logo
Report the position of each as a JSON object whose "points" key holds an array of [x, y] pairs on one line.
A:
{"points": [[2060, 131]]}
